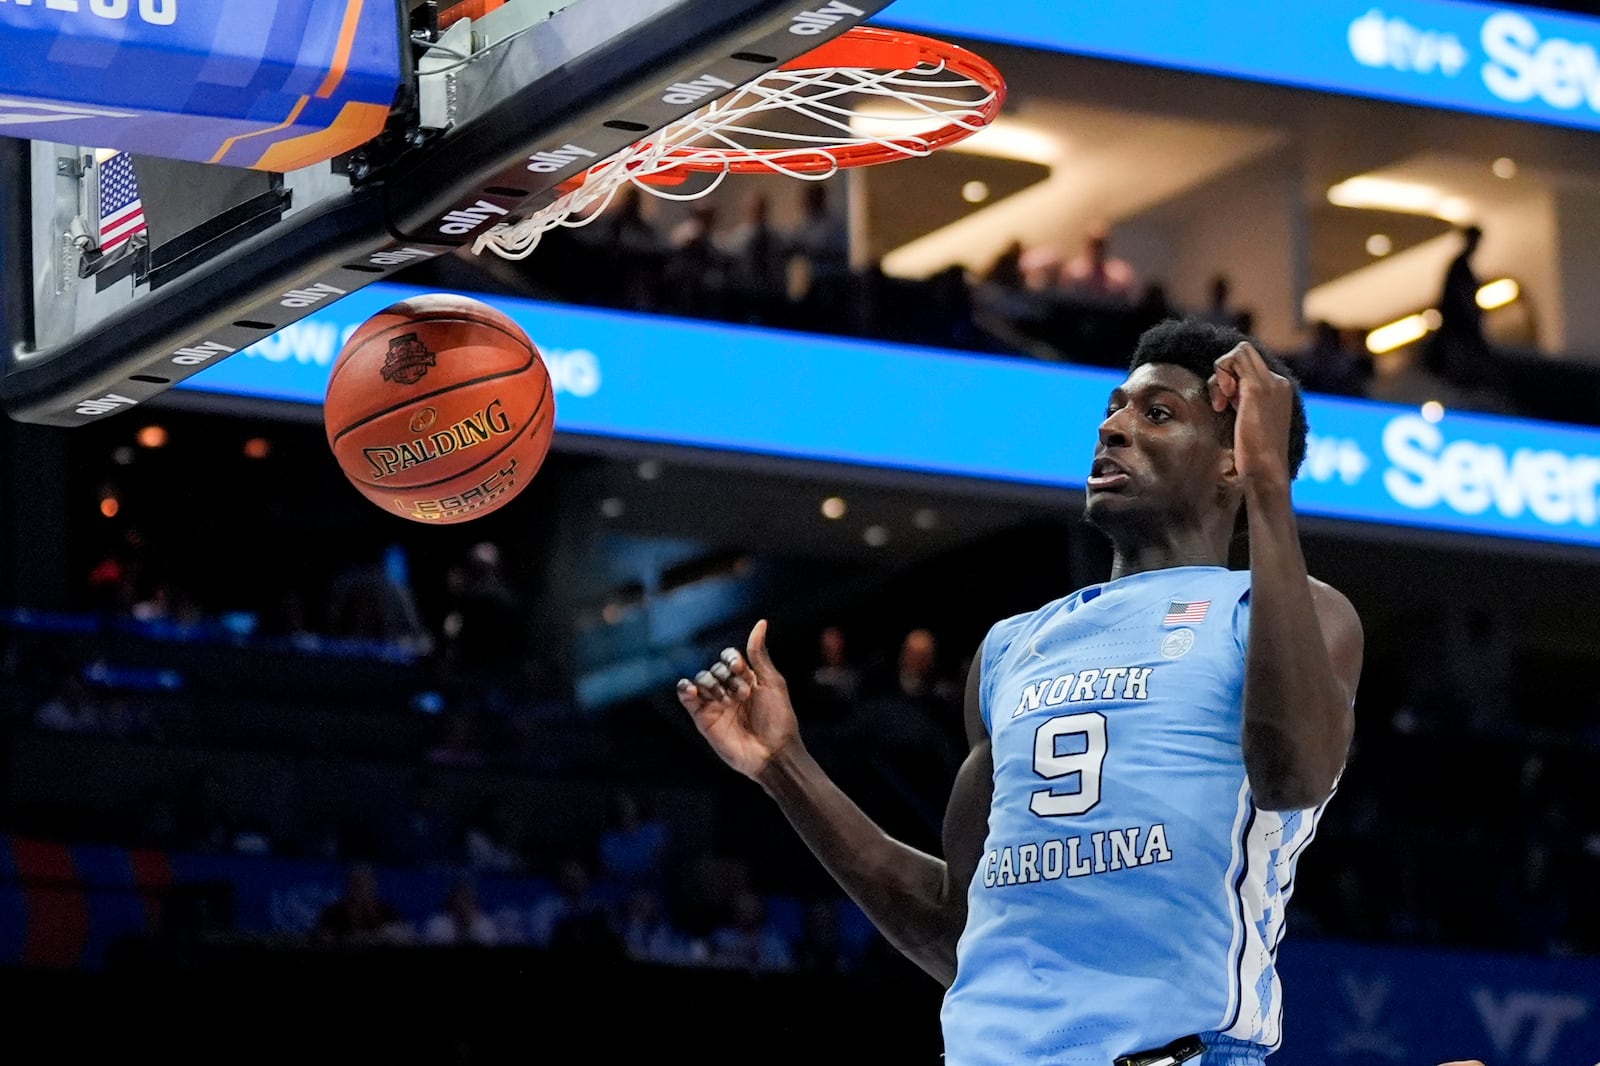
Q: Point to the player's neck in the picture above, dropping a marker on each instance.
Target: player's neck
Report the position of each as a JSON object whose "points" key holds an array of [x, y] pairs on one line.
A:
{"points": [[1189, 548]]}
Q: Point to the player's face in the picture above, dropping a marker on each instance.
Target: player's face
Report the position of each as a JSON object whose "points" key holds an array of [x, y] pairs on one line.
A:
{"points": [[1161, 454]]}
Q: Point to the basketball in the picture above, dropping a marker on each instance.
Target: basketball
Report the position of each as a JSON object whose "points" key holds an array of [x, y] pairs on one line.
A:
{"points": [[439, 409]]}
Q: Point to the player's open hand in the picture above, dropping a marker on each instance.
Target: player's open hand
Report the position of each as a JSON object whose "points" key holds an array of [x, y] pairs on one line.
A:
{"points": [[740, 704], [1263, 403]]}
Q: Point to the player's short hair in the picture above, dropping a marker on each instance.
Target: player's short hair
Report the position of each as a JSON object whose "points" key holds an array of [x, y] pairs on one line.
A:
{"points": [[1196, 345]]}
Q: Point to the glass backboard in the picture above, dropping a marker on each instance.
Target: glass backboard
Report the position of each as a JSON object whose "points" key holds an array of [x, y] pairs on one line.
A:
{"points": [[246, 168]]}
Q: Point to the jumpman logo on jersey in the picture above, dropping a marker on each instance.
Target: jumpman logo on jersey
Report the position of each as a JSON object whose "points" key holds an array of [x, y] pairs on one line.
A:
{"points": [[1033, 651]]}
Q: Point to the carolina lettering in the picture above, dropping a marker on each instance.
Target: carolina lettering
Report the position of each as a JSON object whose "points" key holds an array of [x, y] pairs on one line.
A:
{"points": [[1077, 856]]}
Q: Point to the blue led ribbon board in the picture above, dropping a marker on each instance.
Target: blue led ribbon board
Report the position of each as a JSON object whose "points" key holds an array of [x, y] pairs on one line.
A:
{"points": [[835, 400], [1513, 62]]}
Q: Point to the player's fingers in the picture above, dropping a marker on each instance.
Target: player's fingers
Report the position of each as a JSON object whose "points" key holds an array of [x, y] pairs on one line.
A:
{"points": [[737, 664], [760, 658], [1227, 379], [742, 686], [757, 650], [711, 690], [688, 695], [1214, 393], [1253, 358], [720, 671], [1253, 365]]}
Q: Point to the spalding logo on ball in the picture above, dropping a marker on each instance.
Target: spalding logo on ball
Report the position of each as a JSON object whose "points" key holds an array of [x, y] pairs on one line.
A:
{"points": [[439, 409]]}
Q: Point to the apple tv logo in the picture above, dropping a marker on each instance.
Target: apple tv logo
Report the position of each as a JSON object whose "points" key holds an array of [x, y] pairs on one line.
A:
{"points": [[1380, 41]]}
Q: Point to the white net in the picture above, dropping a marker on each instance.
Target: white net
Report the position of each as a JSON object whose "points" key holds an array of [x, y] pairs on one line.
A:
{"points": [[838, 112]]}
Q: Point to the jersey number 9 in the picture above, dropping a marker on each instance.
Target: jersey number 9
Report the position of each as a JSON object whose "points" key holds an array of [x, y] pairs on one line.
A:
{"points": [[1084, 737]]}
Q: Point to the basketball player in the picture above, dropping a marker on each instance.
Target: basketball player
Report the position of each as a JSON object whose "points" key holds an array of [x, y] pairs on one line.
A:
{"points": [[1148, 755]]}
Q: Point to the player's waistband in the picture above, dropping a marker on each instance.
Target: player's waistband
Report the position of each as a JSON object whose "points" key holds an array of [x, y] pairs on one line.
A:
{"points": [[1201, 1049], [1184, 1049]]}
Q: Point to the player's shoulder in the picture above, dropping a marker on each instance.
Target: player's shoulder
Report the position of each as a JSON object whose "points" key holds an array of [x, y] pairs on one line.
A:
{"points": [[1042, 613], [1004, 632], [1324, 593], [1333, 605], [1320, 589]]}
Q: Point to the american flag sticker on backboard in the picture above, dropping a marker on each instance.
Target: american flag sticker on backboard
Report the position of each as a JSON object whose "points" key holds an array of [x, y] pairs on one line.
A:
{"points": [[1179, 613], [121, 210]]}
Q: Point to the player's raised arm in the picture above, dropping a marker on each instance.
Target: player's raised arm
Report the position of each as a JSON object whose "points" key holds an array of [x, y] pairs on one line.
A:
{"points": [[1305, 647], [740, 704]]}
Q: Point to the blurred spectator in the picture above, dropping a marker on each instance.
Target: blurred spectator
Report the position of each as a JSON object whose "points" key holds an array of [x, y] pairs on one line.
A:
{"points": [[819, 268], [1478, 668], [372, 600], [632, 850], [418, 830], [484, 629], [252, 837], [1458, 351], [755, 258], [704, 890], [1542, 921], [1331, 364], [169, 604], [203, 822], [747, 942], [648, 936], [917, 676], [1154, 307], [631, 278], [573, 921], [154, 606], [459, 743], [834, 674], [70, 709], [696, 276], [1096, 274], [1041, 267], [494, 839], [1465, 685], [1355, 912], [819, 950], [1006, 270], [361, 914], [462, 921], [907, 726], [1219, 310], [125, 720], [156, 822], [113, 581]]}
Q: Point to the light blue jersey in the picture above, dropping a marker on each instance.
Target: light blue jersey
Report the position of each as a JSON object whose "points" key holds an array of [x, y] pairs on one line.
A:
{"points": [[1130, 892]]}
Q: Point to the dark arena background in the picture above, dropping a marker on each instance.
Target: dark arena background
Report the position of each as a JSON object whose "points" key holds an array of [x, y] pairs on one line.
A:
{"points": [[287, 778]]}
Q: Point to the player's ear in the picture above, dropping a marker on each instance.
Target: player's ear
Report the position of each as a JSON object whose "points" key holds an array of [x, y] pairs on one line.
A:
{"points": [[1229, 487], [1228, 484]]}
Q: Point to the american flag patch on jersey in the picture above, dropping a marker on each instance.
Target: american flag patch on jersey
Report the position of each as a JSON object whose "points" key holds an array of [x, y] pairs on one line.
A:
{"points": [[1186, 613]]}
